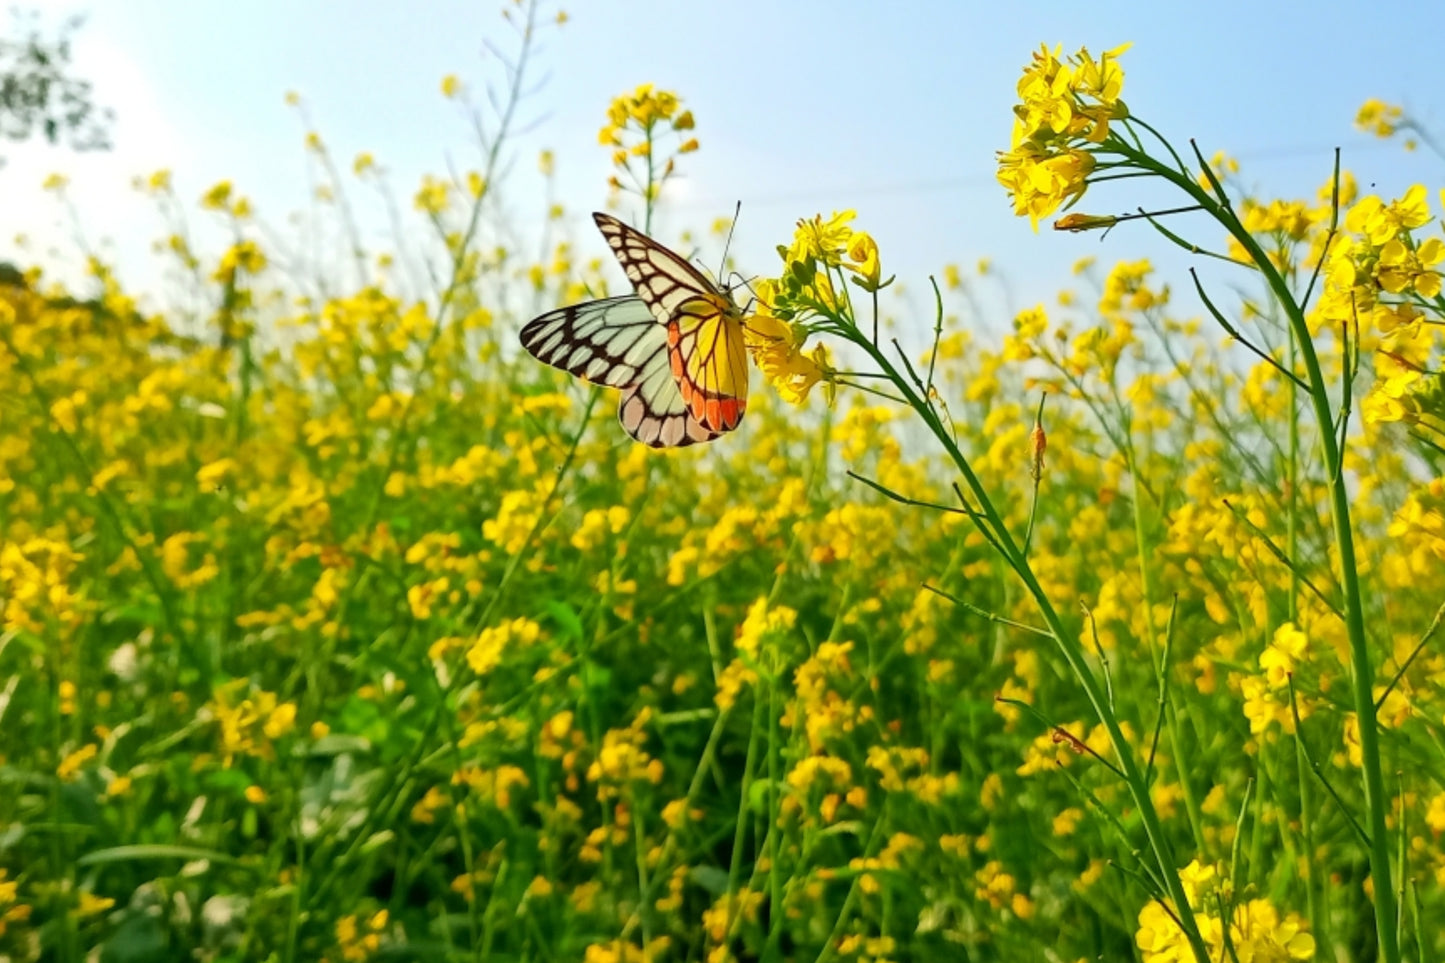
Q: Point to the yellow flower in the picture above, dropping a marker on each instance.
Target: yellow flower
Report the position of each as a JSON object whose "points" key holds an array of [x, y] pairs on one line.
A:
{"points": [[1040, 181], [487, 652], [776, 347], [250, 725], [622, 759], [218, 197], [1101, 81], [431, 197], [246, 256], [1070, 101], [436, 800], [863, 255], [90, 904], [1283, 654], [763, 621], [451, 86], [1401, 267], [817, 240], [1381, 222], [210, 476], [1067, 821], [1378, 118], [70, 766]]}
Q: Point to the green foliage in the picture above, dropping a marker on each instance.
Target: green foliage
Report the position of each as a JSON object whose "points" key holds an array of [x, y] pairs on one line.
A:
{"points": [[40, 94]]}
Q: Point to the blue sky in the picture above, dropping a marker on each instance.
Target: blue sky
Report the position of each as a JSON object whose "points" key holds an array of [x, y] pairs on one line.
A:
{"points": [[895, 110]]}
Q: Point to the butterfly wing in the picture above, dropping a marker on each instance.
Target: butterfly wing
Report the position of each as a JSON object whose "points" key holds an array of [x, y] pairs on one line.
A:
{"points": [[606, 342], [618, 343], [707, 356]]}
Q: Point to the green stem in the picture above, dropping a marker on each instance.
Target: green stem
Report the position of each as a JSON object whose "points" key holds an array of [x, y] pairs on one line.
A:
{"points": [[1376, 803], [1162, 669], [1068, 645]]}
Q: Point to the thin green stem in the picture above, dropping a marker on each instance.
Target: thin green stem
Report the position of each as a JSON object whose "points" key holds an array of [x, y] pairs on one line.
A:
{"points": [[989, 519], [1362, 668]]}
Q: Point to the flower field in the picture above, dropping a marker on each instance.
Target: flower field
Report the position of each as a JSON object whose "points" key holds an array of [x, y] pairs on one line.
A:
{"points": [[335, 627]]}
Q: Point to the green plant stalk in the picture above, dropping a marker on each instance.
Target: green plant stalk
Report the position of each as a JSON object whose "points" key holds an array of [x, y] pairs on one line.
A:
{"points": [[669, 844], [778, 918], [850, 902], [1072, 651], [644, 885], [1171, 724], [1362, 671], [1318, 921], [756, 736]]}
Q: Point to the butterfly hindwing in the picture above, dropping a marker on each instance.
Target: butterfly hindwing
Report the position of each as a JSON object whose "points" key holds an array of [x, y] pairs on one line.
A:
{"points": [[709, 360], [653, 411]]}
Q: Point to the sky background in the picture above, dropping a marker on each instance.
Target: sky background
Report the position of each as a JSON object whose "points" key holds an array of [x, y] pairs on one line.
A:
{"points": [[895, 110]]}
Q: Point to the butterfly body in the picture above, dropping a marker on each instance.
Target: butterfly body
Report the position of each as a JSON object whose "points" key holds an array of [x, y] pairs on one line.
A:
{"points": [[676, 349]]}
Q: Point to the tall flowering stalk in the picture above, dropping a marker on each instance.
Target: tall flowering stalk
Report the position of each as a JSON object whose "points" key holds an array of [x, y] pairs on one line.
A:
{"points": [[1073, 130], [831, 279]]}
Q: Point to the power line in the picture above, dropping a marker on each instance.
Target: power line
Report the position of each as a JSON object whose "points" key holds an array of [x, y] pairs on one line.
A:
{"points": [[979, 181]]}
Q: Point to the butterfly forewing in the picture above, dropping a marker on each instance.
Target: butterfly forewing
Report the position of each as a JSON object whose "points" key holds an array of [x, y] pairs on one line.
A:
{"points": [[661, 278], [606, 342]]}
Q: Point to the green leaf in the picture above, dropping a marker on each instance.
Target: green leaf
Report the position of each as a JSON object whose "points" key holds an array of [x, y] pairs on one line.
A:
{"points": [[134, 854], [569, 625], [712, 879]]}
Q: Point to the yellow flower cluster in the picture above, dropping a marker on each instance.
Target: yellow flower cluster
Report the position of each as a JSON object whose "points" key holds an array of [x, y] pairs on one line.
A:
{"points": [[250, 720], [1383, 278], [1255, 929], [496, 643], [35, 584], [622, 760], [636, 124], [1065, 109], [360, 939]]}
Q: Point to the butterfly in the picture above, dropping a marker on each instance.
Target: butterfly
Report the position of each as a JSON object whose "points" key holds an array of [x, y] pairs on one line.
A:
{"points": [[676, 348]]}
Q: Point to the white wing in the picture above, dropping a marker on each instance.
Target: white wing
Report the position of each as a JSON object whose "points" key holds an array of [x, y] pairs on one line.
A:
{"points": [[618, 342]]}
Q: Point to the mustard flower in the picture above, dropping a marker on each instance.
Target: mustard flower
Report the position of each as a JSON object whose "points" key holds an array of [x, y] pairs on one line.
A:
{"points": [[776, 348], [1379, 118]]}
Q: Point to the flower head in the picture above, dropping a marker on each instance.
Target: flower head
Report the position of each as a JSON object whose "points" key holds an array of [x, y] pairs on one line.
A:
{"points": [[1064, 112]]}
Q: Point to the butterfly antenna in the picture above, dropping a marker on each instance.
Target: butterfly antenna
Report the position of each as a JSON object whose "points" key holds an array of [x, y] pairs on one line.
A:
{"points": [[729, 242]]}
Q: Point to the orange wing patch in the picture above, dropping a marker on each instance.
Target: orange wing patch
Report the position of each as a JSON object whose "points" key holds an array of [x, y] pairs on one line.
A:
{"points": [[708, 357]]}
